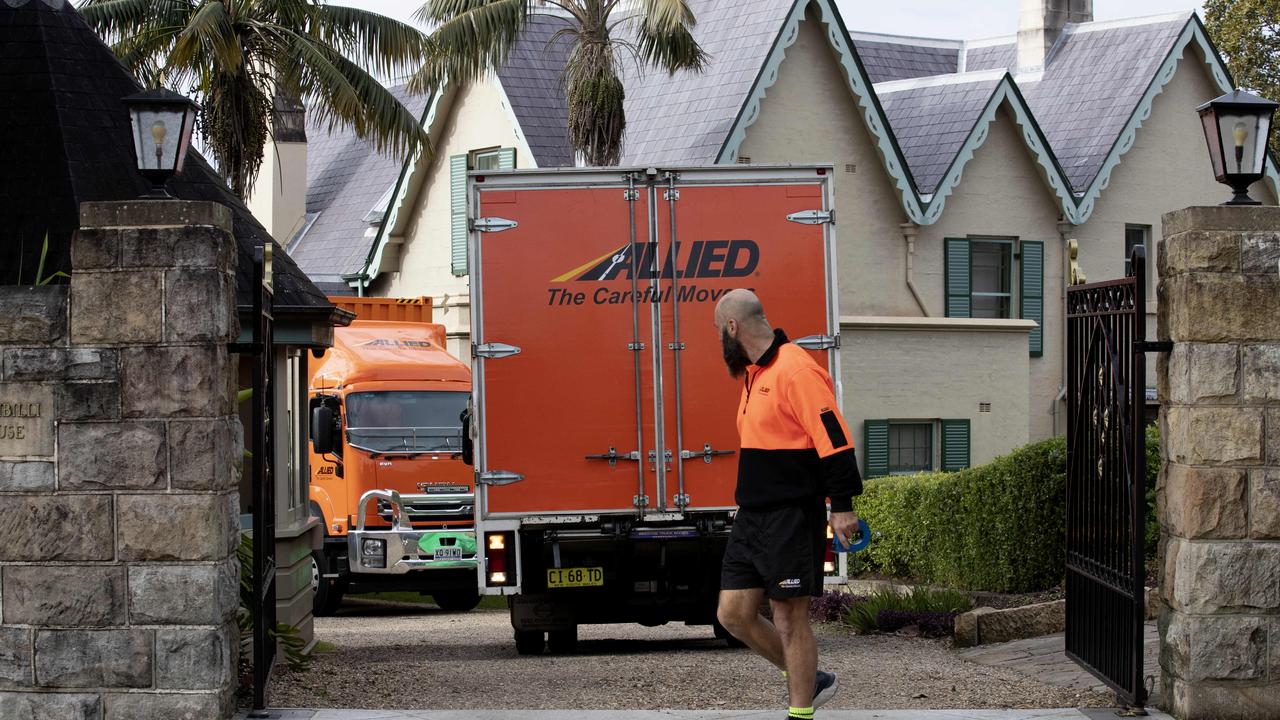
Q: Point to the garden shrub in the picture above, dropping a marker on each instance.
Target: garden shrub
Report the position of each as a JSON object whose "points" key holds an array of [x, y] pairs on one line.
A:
{"points": [[997, 527], [888, 610]]}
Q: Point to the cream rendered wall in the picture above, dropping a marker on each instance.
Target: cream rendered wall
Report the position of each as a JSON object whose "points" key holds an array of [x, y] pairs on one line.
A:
{"points": [[478, 118], [809, 115], [278, 198], [1002, 195], [939, 369]]}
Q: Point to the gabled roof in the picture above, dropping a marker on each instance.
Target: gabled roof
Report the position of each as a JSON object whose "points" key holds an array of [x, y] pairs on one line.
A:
{"points": [[926, 103], [348, 184], [67, 140], [684, 119], [531, 80]]}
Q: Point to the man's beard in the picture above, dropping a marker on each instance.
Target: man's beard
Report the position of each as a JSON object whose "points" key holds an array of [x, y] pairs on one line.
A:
{"points": [[735, 356]]}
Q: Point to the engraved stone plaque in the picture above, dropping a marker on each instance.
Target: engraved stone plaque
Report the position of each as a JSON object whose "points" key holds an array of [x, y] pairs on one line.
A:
{"points": [[26, 420]]}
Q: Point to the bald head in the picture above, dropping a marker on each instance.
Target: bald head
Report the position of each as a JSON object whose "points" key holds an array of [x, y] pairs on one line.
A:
{"points": [[741, 306]]}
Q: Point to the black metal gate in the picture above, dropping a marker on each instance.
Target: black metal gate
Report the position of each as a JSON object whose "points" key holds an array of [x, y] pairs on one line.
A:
{"points": [[1106, 472], [262, 446]]}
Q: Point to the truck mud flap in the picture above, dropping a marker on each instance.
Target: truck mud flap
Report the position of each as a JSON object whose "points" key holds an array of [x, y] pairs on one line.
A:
{"points": [[540, 613]]}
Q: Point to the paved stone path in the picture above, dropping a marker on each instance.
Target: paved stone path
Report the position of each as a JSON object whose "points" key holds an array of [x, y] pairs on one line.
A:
{"points": [[1045, 659], [1059, 714]]}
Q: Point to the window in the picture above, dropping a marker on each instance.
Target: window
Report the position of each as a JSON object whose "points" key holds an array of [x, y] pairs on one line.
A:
{"points": [[991, 263], [1135, 235], [891, 447], [979, 281], [910, 447], [487, 159]]}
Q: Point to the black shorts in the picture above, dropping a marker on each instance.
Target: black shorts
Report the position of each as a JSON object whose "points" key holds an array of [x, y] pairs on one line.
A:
{"points": [[780, 550]]}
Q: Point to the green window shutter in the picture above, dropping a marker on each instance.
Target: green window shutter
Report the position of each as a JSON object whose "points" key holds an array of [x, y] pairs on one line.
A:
{"points": [[1032, 292], [875, 447], [959, 286], [955, 445], [507, 159], [458, 212]]}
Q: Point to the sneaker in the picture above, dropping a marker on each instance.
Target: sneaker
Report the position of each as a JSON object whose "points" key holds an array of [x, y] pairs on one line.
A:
{"points": [[824, 688]]}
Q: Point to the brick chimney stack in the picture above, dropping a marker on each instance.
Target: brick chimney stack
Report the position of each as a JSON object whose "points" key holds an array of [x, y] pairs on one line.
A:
{"points": [[1040, 22]]}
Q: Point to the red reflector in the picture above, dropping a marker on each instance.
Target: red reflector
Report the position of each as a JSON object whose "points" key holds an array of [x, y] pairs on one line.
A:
{"points": [[479, 178], [822, 171]]}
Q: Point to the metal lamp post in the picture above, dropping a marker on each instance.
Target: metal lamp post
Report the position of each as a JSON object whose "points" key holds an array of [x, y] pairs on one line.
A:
{"points": [[1237, 127], [162, 124]]}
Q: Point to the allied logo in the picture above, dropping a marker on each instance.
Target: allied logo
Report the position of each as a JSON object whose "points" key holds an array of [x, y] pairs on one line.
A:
{"points": [[790, 583], [697, 260]]}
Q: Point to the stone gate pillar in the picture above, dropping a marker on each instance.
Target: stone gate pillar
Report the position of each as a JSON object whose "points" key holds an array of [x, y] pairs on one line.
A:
{"points": [[118, 463], [1219, 494]]}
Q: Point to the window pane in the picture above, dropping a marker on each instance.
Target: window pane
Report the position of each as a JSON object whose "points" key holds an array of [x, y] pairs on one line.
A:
{"points": [[487, 160], [987, 306], [1134, 235], [990, 267], [910, 447], [406, 420]]}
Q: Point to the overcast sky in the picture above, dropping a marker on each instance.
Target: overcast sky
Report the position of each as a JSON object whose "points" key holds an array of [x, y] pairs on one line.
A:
{"points": [[925, 18]]}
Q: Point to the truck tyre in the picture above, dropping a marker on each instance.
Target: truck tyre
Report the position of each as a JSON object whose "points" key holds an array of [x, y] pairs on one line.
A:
{"points": [[530, 642], [456, 600], [563, 642], [328, 593], [726, 636]]}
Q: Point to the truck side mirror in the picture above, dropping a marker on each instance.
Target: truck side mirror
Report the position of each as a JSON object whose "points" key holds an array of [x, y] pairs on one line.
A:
{"points": [[468, 447], [322, 430]]}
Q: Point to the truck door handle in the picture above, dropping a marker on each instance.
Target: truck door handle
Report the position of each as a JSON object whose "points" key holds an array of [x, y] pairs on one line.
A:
{"points": [[706, 453], [613, 456]]}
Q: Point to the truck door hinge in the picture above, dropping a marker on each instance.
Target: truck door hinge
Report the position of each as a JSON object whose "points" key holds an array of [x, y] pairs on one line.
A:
{"points": [[819, 342], [640, 501], [813, 217], [492, 224], [494, 351], [670, 194], [630, 195], [498, 477]]}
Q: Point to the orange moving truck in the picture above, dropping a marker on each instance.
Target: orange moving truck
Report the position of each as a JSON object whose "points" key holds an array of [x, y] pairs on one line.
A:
{"points": [[387, 476], [603, 415]]}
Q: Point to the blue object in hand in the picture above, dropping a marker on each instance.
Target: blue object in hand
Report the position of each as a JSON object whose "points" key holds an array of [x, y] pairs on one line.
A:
{"points": [[860, 542]]}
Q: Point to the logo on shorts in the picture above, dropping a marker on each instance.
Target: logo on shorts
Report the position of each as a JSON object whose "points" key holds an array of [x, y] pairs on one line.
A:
{"points": [[790, 583]]}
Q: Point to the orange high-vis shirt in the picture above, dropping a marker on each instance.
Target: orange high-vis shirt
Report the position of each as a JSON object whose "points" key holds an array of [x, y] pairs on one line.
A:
{"points": [[795, 445]]}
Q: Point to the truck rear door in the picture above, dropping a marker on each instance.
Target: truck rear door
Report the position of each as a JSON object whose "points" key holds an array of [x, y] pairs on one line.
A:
{"points": [[599, 380]]}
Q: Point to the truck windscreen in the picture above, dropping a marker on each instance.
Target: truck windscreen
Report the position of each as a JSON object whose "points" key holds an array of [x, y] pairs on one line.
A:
{"points": [[408, 421]]}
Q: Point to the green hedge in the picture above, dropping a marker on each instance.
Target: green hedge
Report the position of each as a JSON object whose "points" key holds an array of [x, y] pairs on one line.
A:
{"points": [[997, 527]]}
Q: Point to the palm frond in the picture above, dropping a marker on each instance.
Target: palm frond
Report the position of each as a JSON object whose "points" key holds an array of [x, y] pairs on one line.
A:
{"points": [[209, 35], [344, 93], [381, 44], [663, 16], [472, 38], [671, 50]]}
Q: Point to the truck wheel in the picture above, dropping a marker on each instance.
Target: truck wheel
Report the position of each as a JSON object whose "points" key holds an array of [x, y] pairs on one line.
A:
{"points": [[529, 642], [457, 600], [727, 636], [328, 593], [563, 642]]}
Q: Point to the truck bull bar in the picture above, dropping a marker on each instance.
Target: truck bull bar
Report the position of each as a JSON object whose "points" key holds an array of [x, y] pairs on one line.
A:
{"points": [[402, 548]]}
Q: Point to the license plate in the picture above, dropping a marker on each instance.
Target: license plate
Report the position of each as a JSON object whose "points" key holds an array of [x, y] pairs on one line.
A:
{"points": [[575, 577], [448, 553]]}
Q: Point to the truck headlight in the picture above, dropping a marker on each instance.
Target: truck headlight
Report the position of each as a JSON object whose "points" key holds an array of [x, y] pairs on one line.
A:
{"points": [[374, 553]]}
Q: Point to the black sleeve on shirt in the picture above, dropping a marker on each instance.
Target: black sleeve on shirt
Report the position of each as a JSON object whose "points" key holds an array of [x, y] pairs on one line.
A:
{"points": [[841, 479]]}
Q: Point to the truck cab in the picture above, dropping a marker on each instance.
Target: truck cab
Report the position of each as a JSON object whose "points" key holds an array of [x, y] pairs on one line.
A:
{"points": [[387, 477]]}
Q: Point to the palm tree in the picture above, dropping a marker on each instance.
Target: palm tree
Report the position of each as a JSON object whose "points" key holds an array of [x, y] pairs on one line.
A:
{"points": [[473, 37], [235, 57]]}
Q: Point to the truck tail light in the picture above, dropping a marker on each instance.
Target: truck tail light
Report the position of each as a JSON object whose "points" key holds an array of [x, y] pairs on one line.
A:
{"points": [[829, 556], [499, 556]]}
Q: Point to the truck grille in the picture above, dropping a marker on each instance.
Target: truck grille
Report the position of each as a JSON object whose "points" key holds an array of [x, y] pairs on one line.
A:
{"points": [[421, 508]]}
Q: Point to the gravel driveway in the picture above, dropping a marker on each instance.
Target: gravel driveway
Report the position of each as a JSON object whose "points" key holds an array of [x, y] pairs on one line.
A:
{"points": [[417, 657]]}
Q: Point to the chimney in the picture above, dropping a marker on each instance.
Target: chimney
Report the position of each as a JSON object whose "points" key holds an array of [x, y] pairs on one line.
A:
{"points": [[1040, 23], [279, 195]]}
